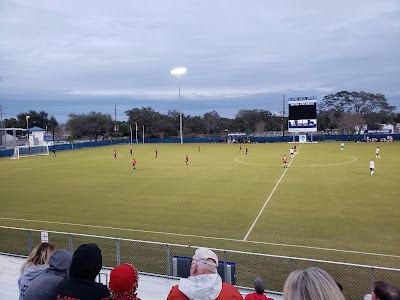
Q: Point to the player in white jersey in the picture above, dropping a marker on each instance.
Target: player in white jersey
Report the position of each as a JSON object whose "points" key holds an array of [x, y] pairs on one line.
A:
{"points": [[372, 166], [377, 152], [341, 146], [291, 152]]}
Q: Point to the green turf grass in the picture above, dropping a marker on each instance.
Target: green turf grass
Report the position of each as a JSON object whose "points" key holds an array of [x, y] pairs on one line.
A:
{"points": [[326, 198]]}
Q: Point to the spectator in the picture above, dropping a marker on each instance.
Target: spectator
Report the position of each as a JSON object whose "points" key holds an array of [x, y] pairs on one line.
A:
{"points": [[58, 269], [86, 265], [204, 281], [124, 281], [384, 291], [36, 263], [311, 284], [259, 287]]}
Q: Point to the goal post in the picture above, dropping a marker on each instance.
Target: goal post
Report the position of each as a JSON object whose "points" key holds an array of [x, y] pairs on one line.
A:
{"points": [[27, 151]]}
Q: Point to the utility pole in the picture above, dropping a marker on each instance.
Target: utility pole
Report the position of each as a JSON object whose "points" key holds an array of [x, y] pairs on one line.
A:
{"points": [[283, 115], [2, 127], [115, 118]]}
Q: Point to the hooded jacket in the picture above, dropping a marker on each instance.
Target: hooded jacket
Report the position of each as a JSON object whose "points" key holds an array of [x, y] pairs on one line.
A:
{"points": [[58, 269], [203, 287], [27, 276], [86, 265]]}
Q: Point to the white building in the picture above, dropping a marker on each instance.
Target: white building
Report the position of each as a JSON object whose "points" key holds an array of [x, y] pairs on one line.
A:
{"points": [[8, 139], [386, 127], [36, 136]]}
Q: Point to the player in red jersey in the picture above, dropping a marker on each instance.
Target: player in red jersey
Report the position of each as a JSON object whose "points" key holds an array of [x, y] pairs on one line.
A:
{"points": [[247, 150], [133, 164], [284, 160], [115, 154], [240, 148], [295, 148], [187, 160]]}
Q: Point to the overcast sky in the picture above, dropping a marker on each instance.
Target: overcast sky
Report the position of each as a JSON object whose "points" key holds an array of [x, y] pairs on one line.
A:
{"points": [[69, 56]]}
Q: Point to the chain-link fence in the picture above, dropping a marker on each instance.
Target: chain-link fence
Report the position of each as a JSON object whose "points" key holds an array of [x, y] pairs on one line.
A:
{"points": [[164, 259]]}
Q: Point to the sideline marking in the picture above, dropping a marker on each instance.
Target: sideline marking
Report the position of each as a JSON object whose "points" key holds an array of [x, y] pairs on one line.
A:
{"points": [[266, 202], [206, 237], [54, 163]]}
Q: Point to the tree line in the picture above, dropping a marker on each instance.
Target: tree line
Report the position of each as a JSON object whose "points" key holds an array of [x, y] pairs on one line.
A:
{"points": [[350, 111], [344, 111], [40, 119]]}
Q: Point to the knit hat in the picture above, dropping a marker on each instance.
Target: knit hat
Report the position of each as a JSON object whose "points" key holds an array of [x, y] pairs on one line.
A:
{"points": [[203, 254], [124, 282], [259, 285]]}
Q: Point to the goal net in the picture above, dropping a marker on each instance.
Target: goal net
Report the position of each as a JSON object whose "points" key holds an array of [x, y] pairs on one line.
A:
{"points": [[26, 151]]}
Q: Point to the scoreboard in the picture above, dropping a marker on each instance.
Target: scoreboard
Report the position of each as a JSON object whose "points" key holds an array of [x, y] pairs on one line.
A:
{"points": [[302, 114]]}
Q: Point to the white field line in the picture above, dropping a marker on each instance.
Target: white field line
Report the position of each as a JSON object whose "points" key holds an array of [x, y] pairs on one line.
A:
{"points": [[197, 236], [337, 164], [325, 165], [205, 237], [269, 197], [63, 162], [253, 164]]}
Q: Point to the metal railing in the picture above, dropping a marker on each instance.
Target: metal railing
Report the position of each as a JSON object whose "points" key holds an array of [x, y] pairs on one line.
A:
{"points": [[157, 258]]}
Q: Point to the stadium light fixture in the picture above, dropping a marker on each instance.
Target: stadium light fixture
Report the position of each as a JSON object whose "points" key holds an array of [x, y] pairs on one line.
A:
{"points": [[179, 72]]}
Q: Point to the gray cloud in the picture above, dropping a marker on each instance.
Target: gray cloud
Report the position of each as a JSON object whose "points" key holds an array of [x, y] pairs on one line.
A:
{"points": [[99, 52]]}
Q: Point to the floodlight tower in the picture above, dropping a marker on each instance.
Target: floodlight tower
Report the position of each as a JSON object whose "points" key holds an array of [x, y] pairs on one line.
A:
{"points": [[179, 72]]}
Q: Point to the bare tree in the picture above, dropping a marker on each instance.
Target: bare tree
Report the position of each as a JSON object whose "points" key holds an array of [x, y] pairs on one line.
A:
{"points": [[349, 122], [260, 127]]}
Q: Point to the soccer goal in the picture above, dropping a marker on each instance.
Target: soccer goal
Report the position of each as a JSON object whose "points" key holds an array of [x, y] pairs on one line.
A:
{"points": [[26, 151]]}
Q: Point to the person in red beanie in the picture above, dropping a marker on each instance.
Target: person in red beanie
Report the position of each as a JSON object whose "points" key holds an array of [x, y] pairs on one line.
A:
{"points": [[124, 281]]}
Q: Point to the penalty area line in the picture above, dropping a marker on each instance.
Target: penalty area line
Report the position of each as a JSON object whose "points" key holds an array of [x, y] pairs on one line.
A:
{"points": [[201, 236]]}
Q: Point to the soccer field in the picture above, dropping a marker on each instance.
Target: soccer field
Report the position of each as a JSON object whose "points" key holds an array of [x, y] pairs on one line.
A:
{"points": [[325, 205]]}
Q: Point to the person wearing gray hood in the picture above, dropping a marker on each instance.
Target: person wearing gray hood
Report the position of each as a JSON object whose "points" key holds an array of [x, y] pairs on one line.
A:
{"points": [[41, 287], [36, 263]]}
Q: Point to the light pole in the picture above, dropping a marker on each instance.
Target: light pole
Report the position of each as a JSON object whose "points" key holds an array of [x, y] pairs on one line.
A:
{"points": [[227, 135], [27, 127], [179, 72]]}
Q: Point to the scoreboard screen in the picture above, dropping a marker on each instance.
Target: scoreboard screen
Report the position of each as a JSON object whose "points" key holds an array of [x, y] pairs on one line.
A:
{"points": [[302, 114]]}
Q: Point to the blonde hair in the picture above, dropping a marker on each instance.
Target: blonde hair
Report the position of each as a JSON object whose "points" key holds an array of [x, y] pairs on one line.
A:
{"points": [[311, 284], [39, 256]]}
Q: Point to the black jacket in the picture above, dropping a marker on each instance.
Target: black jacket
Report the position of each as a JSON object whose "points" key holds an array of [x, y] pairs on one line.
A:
{"points": [[86, 265]]}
